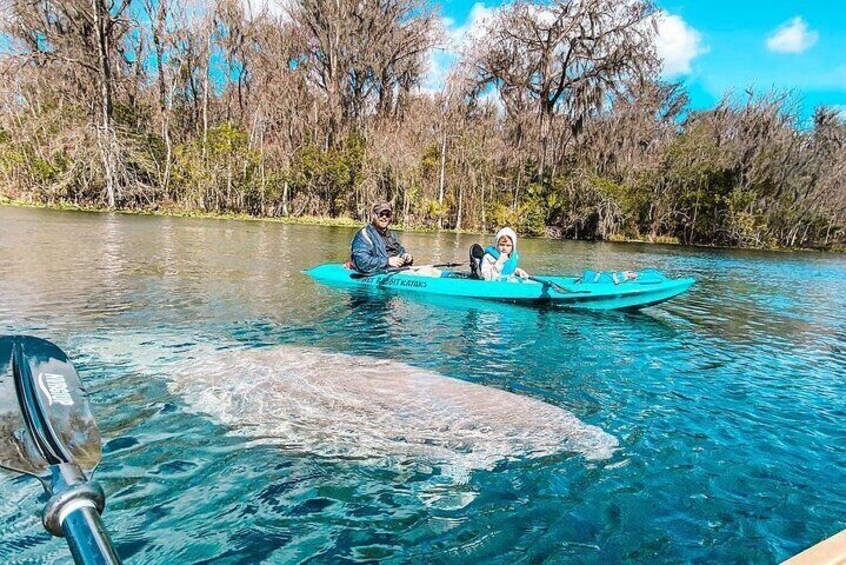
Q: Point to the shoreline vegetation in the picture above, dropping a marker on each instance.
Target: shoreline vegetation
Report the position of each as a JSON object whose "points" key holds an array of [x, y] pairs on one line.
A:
{"points": [[344, 222], [554, 119]]}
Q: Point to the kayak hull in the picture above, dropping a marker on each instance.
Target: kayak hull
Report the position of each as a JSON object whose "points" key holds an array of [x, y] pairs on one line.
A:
{"points": [[629, 295]]}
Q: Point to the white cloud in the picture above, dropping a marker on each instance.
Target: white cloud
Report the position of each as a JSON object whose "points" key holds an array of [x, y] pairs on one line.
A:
{"points": [[473, 27], [678, 44], [439, 64], [792, 37], [458, 37], [275, 8]]}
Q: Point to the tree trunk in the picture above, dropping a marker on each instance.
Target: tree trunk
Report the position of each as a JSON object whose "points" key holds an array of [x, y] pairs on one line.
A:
{"points": [[545, 118], [460, 204], [441, 179], [484, 221], [164, 99], [168, 142], [106, 135], [693, 222], [406, 203], [206, 90], [517, 189]]}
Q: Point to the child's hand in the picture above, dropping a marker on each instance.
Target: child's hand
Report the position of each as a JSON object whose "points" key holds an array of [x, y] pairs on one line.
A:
{"points": [[521, 273]]}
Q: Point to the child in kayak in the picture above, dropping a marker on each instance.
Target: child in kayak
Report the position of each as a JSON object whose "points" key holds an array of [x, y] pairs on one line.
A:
{"points": [[501, 259]]}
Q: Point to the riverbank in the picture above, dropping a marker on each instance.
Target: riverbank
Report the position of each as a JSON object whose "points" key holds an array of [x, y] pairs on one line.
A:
{"points": [[328, 221], [346, 222], [179, 213]]}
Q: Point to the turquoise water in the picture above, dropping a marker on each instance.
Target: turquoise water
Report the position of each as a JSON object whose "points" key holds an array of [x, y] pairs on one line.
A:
{"points": [[726, 403]]}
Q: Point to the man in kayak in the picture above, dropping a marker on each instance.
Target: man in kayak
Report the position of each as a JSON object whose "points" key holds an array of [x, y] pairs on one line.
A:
{"points": [[500, 260], [375, 247]]}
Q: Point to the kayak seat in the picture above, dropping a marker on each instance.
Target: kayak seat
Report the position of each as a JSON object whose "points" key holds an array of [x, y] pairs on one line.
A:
{"points": [[603, 277], [476, 254], [608, 278]]}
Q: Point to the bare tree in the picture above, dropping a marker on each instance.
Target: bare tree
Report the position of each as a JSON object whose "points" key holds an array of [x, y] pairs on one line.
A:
{"points": [[80, 38], [362, 48], [566, 56]]}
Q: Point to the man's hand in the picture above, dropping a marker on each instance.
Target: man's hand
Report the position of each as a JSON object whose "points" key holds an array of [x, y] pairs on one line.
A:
{"points": [[396, 261], [407, 259]]}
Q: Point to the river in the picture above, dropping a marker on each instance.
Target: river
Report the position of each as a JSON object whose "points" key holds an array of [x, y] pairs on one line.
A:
{"points": [[204, 347]]}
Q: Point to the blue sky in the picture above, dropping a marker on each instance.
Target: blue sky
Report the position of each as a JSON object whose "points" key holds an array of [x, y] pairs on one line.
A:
{"points": [[717, 46]]}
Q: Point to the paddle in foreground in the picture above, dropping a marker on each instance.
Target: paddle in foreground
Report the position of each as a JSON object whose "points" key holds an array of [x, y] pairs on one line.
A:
{"points": [[47, 430]]}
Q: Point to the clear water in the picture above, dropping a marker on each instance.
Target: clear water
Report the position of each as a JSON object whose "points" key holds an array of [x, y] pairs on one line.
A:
{"points": [[727, 403]]}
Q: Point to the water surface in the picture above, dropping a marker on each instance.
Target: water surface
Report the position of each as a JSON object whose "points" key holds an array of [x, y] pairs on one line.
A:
{"points": [[727, 403]]}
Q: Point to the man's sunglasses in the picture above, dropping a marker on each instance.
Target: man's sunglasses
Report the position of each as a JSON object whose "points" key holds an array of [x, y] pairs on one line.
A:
{"points": [[386, 214]]}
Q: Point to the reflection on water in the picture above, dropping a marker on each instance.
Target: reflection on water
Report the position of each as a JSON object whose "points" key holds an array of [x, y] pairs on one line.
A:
{"points": [[727, 402]]}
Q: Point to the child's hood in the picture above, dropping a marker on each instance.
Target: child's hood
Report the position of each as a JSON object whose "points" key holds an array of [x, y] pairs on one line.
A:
{"points": [[508, 232]]}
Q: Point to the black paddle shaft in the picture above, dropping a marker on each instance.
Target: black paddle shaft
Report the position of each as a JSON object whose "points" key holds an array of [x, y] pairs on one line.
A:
{"points": [[557, 287], [394, 270]]}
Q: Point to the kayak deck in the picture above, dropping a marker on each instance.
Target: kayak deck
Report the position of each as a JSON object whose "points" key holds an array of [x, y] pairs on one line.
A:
{"points": [[588, 292]]}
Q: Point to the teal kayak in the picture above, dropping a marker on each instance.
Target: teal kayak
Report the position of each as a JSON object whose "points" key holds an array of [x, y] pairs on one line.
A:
{"points": [[592, 291]]}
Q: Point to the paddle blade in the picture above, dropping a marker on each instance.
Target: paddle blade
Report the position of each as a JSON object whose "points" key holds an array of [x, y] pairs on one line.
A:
{"points": [[45, 417]]}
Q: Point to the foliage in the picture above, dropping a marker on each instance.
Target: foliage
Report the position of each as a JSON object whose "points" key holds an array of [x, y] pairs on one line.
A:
{"points": [[239, 114]]}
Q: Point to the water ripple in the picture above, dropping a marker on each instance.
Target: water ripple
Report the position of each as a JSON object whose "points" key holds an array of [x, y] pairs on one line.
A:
{"points": [[727, 402]]}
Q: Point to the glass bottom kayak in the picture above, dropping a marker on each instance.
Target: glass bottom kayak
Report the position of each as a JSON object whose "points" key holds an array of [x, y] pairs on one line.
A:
{"points": [[593, 291]]}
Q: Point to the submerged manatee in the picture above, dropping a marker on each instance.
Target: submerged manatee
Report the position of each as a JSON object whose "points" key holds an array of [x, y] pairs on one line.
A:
{"points": [[359, 407]]}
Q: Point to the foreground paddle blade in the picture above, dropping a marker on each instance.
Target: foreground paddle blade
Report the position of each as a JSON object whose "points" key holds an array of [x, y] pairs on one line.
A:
{"points": [[45, 417]]}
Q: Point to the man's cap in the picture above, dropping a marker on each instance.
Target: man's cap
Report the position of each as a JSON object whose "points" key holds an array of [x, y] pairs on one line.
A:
{"points": [[380, 207]]}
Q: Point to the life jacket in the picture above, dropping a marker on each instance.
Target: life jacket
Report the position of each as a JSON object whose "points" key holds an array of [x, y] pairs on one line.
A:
{"points": [[477, 255], [510, 264]]}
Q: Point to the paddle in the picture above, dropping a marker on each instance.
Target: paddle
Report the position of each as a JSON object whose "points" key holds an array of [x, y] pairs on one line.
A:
{"points": [[392, 270], [556, 287], [47, 430]]}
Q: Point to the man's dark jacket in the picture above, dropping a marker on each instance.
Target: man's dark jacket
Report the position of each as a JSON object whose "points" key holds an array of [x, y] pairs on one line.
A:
{"points": [[371, 249]]}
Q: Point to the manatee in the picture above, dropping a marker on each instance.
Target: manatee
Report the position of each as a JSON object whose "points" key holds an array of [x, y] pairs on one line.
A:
{"points": [[363, 408]]}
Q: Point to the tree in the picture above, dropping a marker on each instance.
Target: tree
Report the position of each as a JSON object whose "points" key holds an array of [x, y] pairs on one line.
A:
{"points": [[359, 49], [78, 39], [566, 56]]}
